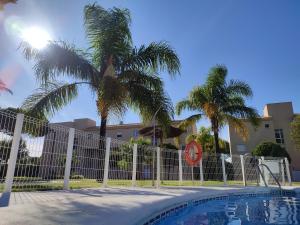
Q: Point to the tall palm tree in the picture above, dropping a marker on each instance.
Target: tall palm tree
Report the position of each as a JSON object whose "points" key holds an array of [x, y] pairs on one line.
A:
{"points": [[3, 87], [119, 73], [221, 102]]}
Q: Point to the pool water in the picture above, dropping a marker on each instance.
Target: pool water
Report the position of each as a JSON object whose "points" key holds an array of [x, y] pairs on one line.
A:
{"points": [[240, 210]]}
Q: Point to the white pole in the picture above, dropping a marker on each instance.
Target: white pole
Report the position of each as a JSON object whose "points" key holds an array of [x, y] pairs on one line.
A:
{"points": [[243, 169], [134, 160], [282, 171], [180, 166], [69, 158], [224, 169], [106, 163], [4, 200], [157, 167], [201, 172], [287, 167]]}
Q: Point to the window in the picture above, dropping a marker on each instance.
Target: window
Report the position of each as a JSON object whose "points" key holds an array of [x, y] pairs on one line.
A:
{"points": [[279, 136], [119, 135], [267, 125], [241, 148]]}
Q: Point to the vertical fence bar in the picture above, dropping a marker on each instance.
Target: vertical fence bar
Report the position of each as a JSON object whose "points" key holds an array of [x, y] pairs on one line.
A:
{"points": [[157, 167], [69, 158], [134, 162], [180, 166], [106, 162], [4, 200], [287, 167], [224, 169], [201, 172], [282, 171], [243, 170]]}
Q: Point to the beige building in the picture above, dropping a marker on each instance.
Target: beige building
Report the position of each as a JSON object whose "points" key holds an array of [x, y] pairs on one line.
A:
{"points": [[125, 132], [275, 127]]}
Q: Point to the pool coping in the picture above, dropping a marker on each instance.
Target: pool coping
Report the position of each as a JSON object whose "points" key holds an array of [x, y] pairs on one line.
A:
{"points": [[161, 214]]}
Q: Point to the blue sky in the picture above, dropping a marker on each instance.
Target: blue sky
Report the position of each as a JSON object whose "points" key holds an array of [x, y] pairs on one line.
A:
{"points": [[258, 40]]}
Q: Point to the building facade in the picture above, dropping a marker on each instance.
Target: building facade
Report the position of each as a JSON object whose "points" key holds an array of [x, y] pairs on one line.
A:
{"points": [[125, 132], [275, 127]]}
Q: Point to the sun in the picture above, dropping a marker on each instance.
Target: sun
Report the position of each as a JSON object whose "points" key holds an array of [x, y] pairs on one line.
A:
{"points": [[36, 37]]}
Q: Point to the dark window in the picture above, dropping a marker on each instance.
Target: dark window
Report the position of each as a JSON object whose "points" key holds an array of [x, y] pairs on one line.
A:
{"points": [[279, 136], [267, 125], [119, 135]]}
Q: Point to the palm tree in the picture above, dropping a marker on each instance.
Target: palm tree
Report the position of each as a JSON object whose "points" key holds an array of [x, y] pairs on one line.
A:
{"points": [[3, 87], [221, 102], [119, 73], [206, 140]]}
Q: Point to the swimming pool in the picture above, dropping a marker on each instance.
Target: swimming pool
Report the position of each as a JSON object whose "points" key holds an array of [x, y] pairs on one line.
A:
{"points": [[248, 209]]}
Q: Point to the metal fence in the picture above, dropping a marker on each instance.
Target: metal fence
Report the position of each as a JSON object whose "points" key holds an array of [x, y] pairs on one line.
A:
{"points": [[36, 155]]}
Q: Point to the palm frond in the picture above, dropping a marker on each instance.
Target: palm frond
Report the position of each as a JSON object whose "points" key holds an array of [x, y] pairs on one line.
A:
{"points": [[182, 105], [238, 125], [112, 96], [4, 88], [239, 88], [216, 76], [141, 77], [157, 56], [108, 32], [191, 120], [46, 100], [60, 58]]}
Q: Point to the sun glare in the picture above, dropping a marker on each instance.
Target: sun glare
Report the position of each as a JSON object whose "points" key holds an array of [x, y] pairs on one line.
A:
{"points": [[36, 37]]}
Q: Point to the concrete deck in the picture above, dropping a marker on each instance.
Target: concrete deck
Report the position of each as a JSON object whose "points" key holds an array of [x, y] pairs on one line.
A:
{"points": [[110, 206]]}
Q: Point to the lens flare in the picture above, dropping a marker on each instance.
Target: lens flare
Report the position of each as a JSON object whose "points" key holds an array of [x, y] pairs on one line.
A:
{"points": [[36, 37]]}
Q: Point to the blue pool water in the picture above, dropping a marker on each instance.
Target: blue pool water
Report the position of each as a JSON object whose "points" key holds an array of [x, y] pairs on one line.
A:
{"points": [[240, 210]]}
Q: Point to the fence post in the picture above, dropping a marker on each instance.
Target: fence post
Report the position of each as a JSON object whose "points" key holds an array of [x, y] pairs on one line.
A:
{"points": [[287, 167], [69, 158], [4, 200], [106, 163], [224, 169], [243, 169], [282, 171], [157, 167], [180, 165], [134, 163], [201, 172]]}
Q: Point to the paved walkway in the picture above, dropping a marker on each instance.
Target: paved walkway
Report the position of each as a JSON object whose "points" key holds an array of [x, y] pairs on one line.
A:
{"points": [[111, 206]]}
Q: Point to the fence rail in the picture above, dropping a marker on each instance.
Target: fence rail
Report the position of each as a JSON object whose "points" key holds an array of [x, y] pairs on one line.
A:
{"points": [[35, 155]]}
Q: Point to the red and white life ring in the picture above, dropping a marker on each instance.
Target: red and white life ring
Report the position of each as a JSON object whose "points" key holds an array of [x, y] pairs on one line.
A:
{"points": [[193, 153]]}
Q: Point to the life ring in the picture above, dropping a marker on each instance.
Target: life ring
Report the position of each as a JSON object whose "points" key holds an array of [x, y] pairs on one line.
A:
{"points": [[193, 153]]}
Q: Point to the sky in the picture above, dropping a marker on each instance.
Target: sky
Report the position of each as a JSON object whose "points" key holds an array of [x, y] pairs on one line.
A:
{"points": [[258, 41]]}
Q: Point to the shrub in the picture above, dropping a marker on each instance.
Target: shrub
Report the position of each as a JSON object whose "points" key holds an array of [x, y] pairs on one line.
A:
{"points": [[270, 149]]}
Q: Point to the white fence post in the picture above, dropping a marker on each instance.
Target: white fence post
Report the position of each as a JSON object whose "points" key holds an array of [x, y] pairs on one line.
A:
{"points": [[201, 171], [106, 163], [224, 169], [243, 169], [287, 167], [69, 158], [282, 171], [134, 162], [180, 165], [4, 200], [157, 167]]}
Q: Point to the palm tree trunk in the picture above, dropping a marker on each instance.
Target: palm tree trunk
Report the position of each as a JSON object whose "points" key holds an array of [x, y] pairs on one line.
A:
{"points": [[104, 115], [103, 125], [216, 138]]}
